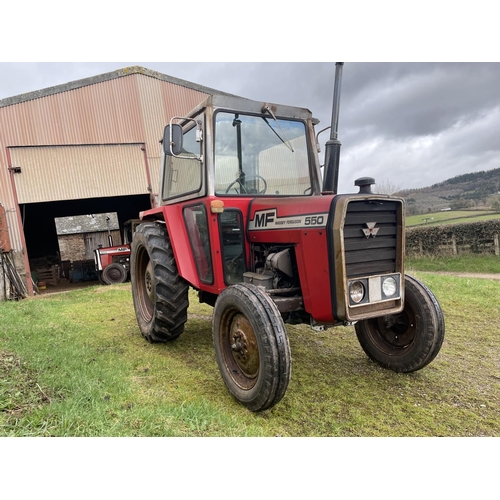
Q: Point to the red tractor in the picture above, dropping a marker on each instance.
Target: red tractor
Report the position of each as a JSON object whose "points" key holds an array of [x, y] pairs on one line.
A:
{"points": [[247, 220], [113, 263]]}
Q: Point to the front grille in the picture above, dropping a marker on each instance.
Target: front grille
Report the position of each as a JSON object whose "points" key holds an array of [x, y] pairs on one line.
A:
{"points": [[373, 252]]}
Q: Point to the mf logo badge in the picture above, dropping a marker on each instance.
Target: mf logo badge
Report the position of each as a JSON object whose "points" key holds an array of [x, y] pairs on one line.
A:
{"points": [[372, 230]]}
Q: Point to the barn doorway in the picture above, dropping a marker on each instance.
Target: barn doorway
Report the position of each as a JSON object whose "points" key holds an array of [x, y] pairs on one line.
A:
{"points": [[42, 240]]}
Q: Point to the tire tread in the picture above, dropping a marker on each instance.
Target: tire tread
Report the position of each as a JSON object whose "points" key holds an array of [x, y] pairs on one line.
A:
{"points": [[172, 300]]}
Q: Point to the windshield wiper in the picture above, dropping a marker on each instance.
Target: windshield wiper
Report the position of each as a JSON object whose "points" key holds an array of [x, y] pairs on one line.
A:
{"points": [[287, 142]]}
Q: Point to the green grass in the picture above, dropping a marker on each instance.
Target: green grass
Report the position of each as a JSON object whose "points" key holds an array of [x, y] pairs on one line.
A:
{"points": [[467, 263], [451, 217], [74, 364]]}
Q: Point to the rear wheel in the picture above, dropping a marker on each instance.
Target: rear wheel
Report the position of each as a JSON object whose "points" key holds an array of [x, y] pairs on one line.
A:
{"points": [[160, 295], [114, 273], [408, 341], [251, 346]]}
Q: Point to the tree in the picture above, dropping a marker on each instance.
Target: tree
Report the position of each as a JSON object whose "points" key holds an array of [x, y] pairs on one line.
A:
{"points": [[386, 187]]}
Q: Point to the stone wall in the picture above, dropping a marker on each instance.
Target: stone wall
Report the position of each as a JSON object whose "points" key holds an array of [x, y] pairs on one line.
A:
{"points": [[454, 239], [71, 247], [79, 247]]}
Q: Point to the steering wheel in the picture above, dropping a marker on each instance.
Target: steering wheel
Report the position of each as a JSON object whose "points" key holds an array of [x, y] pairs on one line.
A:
{"points": [[243, 189]]}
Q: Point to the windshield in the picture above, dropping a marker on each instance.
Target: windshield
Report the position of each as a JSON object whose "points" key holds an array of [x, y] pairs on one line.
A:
{"points": [[260, 155]]}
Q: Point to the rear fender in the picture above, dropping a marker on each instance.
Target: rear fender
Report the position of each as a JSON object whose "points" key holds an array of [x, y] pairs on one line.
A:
{"points": [[171, 216]]}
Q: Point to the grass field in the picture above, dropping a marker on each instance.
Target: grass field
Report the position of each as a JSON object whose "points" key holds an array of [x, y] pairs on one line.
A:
{"points": [[74, 364], [451, 217], [466, 263]]}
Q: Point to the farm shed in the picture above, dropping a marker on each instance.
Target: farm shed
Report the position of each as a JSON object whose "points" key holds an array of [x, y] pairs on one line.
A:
{"points": [[77, 237], [89, 146]]}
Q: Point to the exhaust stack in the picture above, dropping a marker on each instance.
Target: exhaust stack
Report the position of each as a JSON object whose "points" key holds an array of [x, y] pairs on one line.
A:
{"points": [[332, 147], [110, 238]]}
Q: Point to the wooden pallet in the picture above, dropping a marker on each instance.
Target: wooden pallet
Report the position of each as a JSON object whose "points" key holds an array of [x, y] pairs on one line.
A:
{"points": [[48, 275]]}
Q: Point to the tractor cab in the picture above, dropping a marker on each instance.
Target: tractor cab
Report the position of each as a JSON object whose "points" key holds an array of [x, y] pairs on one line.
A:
{"points": [[235, 147]]}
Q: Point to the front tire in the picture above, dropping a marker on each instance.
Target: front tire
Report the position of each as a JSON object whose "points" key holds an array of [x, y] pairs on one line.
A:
{"points": [[160, 295], [251, 346], [114, 273], [408, 341]]}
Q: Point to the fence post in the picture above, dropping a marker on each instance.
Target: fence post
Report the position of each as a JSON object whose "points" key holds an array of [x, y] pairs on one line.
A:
{"points": [[497, 244], [454, 244]]}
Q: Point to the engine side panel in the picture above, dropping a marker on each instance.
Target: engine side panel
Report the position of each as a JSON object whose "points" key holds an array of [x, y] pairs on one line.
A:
{"points": [[301, 222]]}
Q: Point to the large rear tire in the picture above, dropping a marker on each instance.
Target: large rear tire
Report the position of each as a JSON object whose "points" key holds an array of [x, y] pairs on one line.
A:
{"points": [[251, 346], [408, 341], [160, 295]]}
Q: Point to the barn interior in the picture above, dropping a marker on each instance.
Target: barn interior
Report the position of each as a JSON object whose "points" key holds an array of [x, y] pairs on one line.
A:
{"points": [[42, 239]]}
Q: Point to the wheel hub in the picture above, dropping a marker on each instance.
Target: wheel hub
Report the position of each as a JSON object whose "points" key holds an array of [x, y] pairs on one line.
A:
{"points": [[148, 281], [239, 345], [114, 274], [244, 346], [398, 330]]}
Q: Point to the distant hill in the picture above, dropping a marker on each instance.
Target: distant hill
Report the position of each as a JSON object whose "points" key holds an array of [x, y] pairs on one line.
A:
{"points": [[478, 190]]}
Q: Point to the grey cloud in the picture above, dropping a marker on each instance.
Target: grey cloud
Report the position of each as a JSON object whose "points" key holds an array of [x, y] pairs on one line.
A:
{"points": [[402, 100], [413, 124]]}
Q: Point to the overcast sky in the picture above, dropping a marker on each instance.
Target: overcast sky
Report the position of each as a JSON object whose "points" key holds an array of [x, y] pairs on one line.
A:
{"points": [[408, 125]]}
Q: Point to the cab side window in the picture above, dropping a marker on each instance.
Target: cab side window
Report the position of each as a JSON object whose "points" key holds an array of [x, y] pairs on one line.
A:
{"points": [[195, 218], [183, 176]]}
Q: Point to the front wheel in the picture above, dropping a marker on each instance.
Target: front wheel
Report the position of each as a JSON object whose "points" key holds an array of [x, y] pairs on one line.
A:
{"points": [[408, 341], [251, 346], [160, 294], [114, 273]]}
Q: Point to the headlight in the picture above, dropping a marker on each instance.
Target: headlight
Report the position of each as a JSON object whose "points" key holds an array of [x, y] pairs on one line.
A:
{"points": [[357, 291], [374, 289], [389, 286]]}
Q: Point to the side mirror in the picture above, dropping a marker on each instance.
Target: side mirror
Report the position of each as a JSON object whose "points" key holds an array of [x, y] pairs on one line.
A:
{"points": [[172, 146]]}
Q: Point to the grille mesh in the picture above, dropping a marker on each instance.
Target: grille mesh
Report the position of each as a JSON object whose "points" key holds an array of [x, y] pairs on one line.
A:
{"points": [[376, 254]]}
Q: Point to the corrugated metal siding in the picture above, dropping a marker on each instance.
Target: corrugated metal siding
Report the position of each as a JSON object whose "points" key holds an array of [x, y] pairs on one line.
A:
{"points": [[57, 173], [129, 109]]}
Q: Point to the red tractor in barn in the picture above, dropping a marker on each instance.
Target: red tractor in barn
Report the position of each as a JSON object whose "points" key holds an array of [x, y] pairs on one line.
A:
{"points": [[113, 263], [247, 220]]}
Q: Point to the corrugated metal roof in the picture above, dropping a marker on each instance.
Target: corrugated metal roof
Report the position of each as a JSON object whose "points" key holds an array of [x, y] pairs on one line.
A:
{"points": [[131, 70]]}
